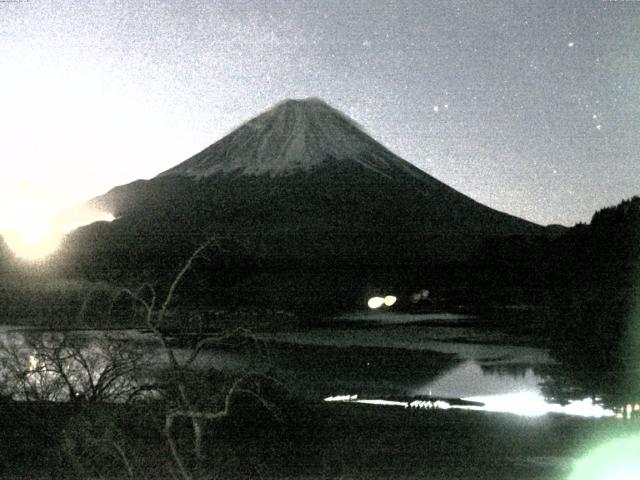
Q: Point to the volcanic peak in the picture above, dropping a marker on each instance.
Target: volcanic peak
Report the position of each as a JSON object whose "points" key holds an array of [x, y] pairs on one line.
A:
{"points": [[293, 135]]}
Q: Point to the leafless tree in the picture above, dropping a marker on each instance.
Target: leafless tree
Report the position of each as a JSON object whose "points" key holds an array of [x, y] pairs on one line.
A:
{"points": [[102, 367], [185, 404], [61, 366]]}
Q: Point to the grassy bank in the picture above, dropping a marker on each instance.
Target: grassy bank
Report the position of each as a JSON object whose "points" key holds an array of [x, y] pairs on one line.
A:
{"points": [[319, 440]]}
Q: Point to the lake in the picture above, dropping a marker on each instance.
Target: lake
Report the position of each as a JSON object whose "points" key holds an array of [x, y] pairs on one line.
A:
{"points": [[431, 359]]}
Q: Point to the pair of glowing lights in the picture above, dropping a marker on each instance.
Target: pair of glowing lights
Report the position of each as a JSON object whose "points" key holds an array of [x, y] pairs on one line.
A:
{"points": [[377, 302]]}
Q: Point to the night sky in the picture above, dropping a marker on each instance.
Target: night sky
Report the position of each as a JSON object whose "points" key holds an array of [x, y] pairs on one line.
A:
{"points": [[532, 108]]}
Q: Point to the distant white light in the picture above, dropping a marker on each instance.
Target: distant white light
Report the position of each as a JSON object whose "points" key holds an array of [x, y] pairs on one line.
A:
{"points": [[571, 44], [435, 108], [598, 127], [390, 300], [375, 302]]}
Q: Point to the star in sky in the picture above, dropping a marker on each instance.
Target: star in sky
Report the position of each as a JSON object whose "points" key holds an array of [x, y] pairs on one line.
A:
{"points": [[97, 94]]}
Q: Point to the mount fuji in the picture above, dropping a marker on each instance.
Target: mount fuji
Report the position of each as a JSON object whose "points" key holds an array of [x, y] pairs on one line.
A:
{"points": [[297, 186]]}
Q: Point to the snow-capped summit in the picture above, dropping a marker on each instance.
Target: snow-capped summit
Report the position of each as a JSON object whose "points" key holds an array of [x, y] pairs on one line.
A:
{"points": [[293, 135], [298, 186]]}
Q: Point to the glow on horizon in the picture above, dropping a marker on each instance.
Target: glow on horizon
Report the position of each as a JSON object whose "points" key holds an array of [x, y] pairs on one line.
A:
{"points": [[72, 128], [33, 236]]}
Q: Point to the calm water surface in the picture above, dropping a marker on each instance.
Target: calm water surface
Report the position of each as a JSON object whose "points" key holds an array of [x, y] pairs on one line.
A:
{"points": [[373, 356]]}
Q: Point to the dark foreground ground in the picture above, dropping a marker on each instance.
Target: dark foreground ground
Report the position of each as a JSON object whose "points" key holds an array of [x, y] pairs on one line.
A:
{"points": [[341, 441]]}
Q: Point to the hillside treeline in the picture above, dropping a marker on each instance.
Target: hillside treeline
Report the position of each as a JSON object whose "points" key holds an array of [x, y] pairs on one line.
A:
{"points": [[586, 281]]}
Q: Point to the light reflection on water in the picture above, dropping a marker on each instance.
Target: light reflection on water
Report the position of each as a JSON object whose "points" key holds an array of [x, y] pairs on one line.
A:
{"points": [[527, 404], [533, 404], [498, 378], [502, 377], [470, 379], [516, 391]]}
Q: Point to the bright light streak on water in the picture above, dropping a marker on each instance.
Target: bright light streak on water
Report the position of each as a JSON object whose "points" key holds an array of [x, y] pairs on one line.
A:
{"points": [[354, 399], [528, 404], [384, 402], [586, 408], [341, 398], [438, 404], [532, 404]]}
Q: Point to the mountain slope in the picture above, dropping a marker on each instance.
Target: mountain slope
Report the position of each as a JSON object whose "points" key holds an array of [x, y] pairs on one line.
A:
{"points": [[298, 187], [294, 135], [306, 150]]}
